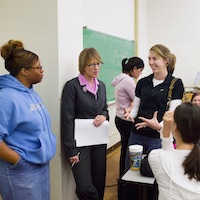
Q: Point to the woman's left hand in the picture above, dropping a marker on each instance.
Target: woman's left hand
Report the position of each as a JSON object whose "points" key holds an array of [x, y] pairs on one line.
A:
{"points": [[99, 119], [152, 123]]}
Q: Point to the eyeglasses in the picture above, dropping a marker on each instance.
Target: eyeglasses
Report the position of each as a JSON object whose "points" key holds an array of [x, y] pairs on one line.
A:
{"points": [[94, 65], [39, 67]]}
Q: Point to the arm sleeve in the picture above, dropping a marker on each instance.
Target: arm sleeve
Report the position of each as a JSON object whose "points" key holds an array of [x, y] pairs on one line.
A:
{"points": [[5, 125], [68, 116], [105, 109], [173, 105], [178, 90], [154, 161], [167, 142], [2, 132], [130, 89], [136, 105]]}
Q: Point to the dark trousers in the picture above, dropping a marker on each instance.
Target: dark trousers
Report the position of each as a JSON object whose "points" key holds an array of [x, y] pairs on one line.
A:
{"points": [[124, 127], [90, 172]]}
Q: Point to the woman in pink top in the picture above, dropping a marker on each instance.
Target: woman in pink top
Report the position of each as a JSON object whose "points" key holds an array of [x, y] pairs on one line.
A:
{"points": [[124, 95]]}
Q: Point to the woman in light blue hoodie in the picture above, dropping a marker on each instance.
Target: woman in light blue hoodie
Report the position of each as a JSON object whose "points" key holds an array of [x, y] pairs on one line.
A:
{"points": [[27, 143]]}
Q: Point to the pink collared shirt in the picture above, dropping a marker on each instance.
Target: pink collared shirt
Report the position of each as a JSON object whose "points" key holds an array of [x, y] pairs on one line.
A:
{"points": [[87, 87]]}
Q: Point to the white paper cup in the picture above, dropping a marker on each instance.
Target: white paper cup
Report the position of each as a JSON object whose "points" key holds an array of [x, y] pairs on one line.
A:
{"points": [[135, 152]]}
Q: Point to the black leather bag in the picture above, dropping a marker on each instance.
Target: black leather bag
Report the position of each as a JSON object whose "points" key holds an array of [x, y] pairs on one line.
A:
{"points": [[145, 168]]}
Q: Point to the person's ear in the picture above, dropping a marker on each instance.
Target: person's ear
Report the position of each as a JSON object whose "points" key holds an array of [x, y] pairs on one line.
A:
{"points": [[23, 71], [166, 60]]}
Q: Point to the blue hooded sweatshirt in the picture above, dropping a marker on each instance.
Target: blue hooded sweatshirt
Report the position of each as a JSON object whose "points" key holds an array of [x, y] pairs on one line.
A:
{"points": [[24, 122]]}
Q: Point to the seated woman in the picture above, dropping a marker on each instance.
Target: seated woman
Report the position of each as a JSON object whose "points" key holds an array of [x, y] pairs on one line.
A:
{"points": [[196, 98], [177, 171]]}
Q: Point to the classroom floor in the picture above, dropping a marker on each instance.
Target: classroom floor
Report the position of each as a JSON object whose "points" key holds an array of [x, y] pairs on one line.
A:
{"points": [[112, 174]]}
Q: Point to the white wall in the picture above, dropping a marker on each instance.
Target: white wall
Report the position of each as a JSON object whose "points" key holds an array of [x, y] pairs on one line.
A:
{"points": [[113, 17], [174, 23], [142, 36], [69, 47], [53, 30], [35, 23]]}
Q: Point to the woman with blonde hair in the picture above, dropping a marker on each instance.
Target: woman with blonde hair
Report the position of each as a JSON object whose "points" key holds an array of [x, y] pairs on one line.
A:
{"points": [[84, 97], [151, 99]]}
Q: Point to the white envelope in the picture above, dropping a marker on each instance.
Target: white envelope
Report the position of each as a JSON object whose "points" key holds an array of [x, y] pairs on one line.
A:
{"points": [[86, 134]]}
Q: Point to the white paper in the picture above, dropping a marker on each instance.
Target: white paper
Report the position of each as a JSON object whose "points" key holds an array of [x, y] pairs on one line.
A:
{"points": [[87, 134]]}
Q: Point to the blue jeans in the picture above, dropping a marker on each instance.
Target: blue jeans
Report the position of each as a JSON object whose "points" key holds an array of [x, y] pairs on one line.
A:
{"points": [[148, 144], [24, 181]]}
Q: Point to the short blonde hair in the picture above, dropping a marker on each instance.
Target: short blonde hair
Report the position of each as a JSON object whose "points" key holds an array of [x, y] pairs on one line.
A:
{"points": [[85, 56]]}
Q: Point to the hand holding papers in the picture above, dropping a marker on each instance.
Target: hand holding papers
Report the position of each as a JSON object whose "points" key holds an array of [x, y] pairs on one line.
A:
{"points": [[87, 134]]}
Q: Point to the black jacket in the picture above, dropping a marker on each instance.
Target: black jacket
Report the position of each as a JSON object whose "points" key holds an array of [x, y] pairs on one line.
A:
{"points": [[79, 104]]}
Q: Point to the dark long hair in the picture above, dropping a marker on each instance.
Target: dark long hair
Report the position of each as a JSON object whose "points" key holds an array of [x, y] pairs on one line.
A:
{"points": [[129, 63], [187, 119]]}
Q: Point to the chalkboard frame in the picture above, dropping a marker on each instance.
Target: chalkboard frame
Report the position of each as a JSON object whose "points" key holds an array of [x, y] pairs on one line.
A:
{"points": [[112, 50]]}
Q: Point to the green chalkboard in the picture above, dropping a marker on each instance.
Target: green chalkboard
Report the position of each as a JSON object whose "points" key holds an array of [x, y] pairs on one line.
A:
{"points": [[112, 51]]}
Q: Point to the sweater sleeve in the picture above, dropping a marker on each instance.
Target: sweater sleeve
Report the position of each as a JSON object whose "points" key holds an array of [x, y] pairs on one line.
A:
{"points": [[136, 105], [154, 161], [105, 108], [68, 117], [130, 88], [5, 126], [167, 142], [173, 105]]}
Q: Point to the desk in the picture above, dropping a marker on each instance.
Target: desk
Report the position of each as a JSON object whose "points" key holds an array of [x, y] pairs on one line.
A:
{"points": [[136, 177], [135, 181]]}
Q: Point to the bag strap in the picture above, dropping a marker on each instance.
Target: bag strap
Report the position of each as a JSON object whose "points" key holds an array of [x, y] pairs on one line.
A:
{"points": [[170, 91]]}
